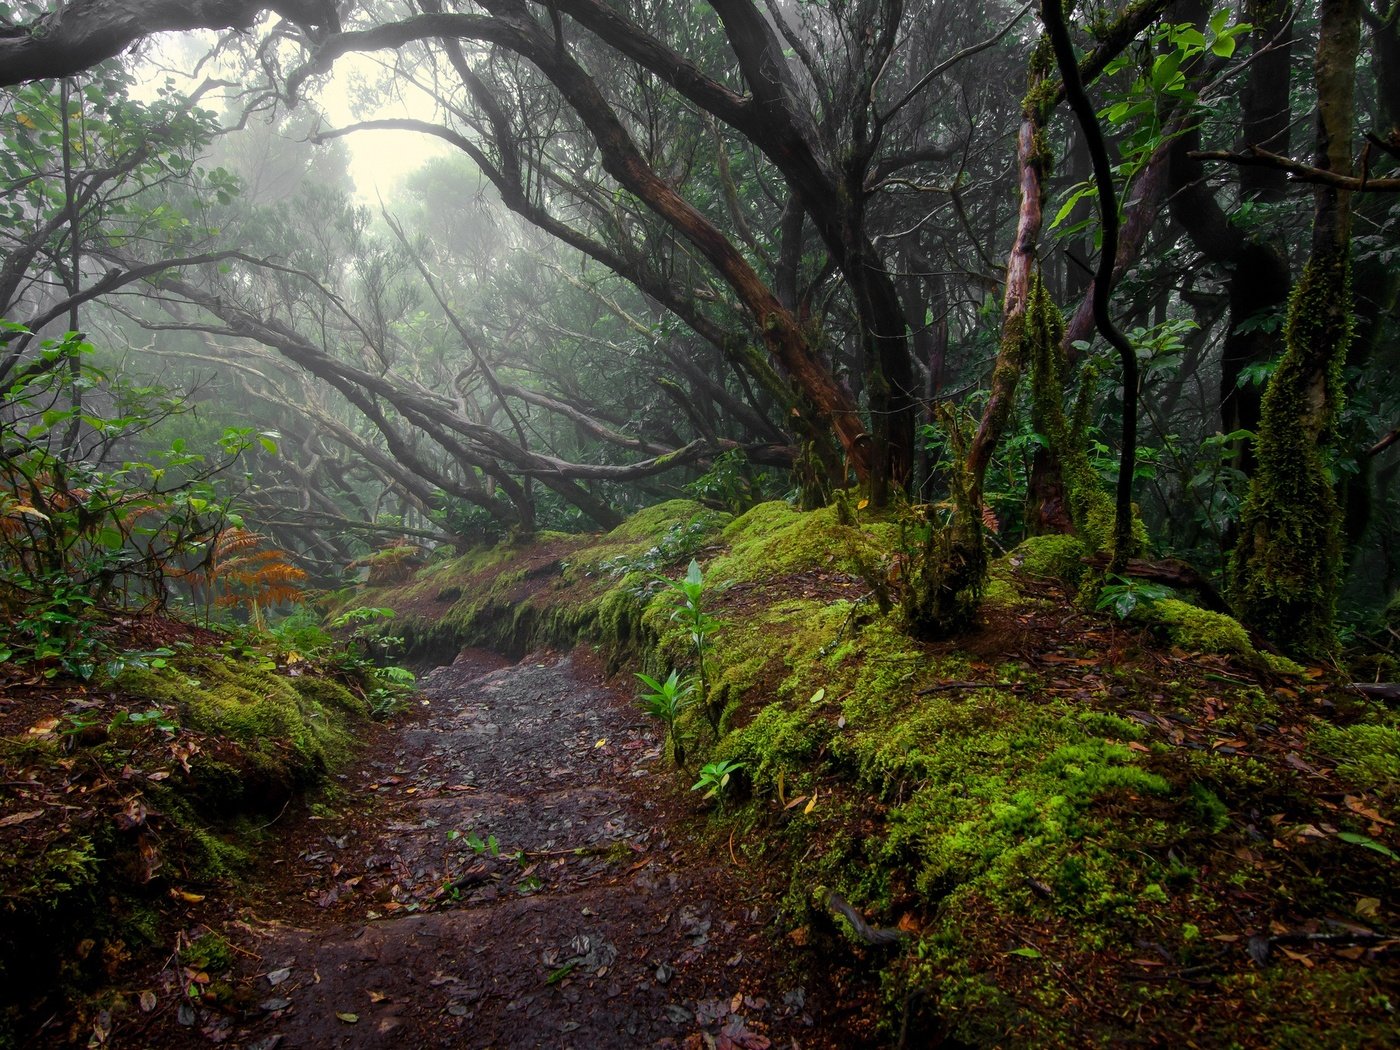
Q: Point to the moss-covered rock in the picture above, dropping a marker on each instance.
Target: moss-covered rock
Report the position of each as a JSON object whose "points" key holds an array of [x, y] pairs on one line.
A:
{"points": [[1053, 556], [775, 539], [1204, 631]]}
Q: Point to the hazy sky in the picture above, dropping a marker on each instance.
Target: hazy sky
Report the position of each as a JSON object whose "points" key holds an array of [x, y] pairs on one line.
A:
{"points": [[357, 90]]}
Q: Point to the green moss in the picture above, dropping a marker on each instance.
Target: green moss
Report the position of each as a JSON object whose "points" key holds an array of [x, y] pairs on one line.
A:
{"points": [[208, 952], [1284, 571], [287, 730], [1055, 556], [1200, 630], [651, 524], [1367, 755], [1089, 506], [1002, 592], [773, 540], [1203, 631]]}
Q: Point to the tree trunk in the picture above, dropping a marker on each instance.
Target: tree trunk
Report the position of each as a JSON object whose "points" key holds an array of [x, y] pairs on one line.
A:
{"points": [[1284, 573]]}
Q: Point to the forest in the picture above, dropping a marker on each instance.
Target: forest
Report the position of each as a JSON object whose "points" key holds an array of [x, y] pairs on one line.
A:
{"points": [[961, 440]]}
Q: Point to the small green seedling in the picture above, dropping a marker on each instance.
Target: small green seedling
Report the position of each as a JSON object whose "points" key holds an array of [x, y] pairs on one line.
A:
{"points": [[701, 626], [666, 701], [476, 843], [715, 776]]}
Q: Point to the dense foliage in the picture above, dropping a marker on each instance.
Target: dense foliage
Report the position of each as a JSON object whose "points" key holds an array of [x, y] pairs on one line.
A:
{"points": [[747, 251]]}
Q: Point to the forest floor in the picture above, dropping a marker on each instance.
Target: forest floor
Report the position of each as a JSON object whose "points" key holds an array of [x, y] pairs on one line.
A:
{"points": [[510, 864]]}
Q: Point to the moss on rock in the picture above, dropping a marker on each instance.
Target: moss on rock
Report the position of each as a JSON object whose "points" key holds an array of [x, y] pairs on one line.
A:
{"points": [[1054, 556]]}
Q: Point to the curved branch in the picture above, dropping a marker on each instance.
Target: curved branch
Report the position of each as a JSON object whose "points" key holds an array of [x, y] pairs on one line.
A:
{"points": [[82, 33], [1052, 13]]}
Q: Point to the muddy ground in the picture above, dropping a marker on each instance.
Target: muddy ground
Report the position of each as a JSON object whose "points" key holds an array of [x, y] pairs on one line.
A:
{"points": [[513, 865]]}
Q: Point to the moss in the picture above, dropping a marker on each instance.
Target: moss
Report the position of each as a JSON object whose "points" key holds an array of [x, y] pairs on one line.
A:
{"points": [[1284, 571], [1203, 631], [208, 952], [285, 731], [774, 539], [1055, 556], [1367, 755], [1089, 506], [1200, 630], [1002, 592], [650, 524]]}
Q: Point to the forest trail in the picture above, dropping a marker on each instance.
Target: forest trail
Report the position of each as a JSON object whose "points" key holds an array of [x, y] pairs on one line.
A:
{"points": [[517, 882]]}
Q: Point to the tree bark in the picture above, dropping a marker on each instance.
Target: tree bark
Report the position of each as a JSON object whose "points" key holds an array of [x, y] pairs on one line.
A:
{"points": [[82, 33]]}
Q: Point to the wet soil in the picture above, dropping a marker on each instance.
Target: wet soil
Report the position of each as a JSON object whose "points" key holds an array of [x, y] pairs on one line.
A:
{"points": [[513, 865]]}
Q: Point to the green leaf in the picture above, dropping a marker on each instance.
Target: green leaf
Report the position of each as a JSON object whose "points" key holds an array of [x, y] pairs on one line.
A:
{"points": [[1362, 840], [1025, 953], [1223, 46]]}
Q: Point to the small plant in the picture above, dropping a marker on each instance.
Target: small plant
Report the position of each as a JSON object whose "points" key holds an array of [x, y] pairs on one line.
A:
{"points": [[715, 777], [1123, 595], [391, 687], [478, 845], [666, 701], [701, 626]]}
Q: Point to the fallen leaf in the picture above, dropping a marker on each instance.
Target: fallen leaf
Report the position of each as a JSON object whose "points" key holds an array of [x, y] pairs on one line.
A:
{"points": [[1368, 907], [1026, 953], [800, 936], [20, 818], [147, 1001], [601, 743], [348, 1018], [188, 898], [377, 997], [1297, 957], [812, 803], [1357, 806]]}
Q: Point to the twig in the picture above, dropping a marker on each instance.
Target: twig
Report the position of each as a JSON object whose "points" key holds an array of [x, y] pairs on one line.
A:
{"points": [[280, 812], [874, 936]]}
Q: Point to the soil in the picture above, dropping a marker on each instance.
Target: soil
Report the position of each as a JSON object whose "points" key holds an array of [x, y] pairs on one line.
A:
{"points": [[513, 864]]}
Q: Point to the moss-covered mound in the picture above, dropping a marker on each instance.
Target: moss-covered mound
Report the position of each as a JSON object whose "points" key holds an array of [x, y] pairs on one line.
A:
{"points": [[554, 590], [1063, 827], [119, 799]]}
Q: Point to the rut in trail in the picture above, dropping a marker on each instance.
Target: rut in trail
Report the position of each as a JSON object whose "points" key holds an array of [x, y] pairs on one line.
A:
{"points": [[607, 932]]}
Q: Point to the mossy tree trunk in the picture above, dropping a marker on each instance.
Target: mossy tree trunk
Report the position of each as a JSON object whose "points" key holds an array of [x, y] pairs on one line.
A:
{"points": [[1070, 498], [1284, 573]]}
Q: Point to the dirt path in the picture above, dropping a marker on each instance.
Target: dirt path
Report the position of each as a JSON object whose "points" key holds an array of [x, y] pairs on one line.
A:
{"points": [[519, 882]]}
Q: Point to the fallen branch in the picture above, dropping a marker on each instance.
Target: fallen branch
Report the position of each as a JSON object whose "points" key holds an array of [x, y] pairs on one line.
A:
{"points": [[1378, 690]]}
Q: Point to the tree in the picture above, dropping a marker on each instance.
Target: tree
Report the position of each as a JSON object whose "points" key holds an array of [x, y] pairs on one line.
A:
{"points": [[1285, 570]]}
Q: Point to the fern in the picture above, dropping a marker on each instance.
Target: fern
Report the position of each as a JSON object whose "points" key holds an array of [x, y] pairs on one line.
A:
{"points": [[248, 573]]}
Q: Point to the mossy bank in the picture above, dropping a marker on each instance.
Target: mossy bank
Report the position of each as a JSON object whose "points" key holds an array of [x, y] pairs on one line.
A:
{"points": [[1074, 823], [148, 790]]}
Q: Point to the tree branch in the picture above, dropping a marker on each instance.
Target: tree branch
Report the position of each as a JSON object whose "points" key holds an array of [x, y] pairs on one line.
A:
{"points": [[1254, 156]]}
